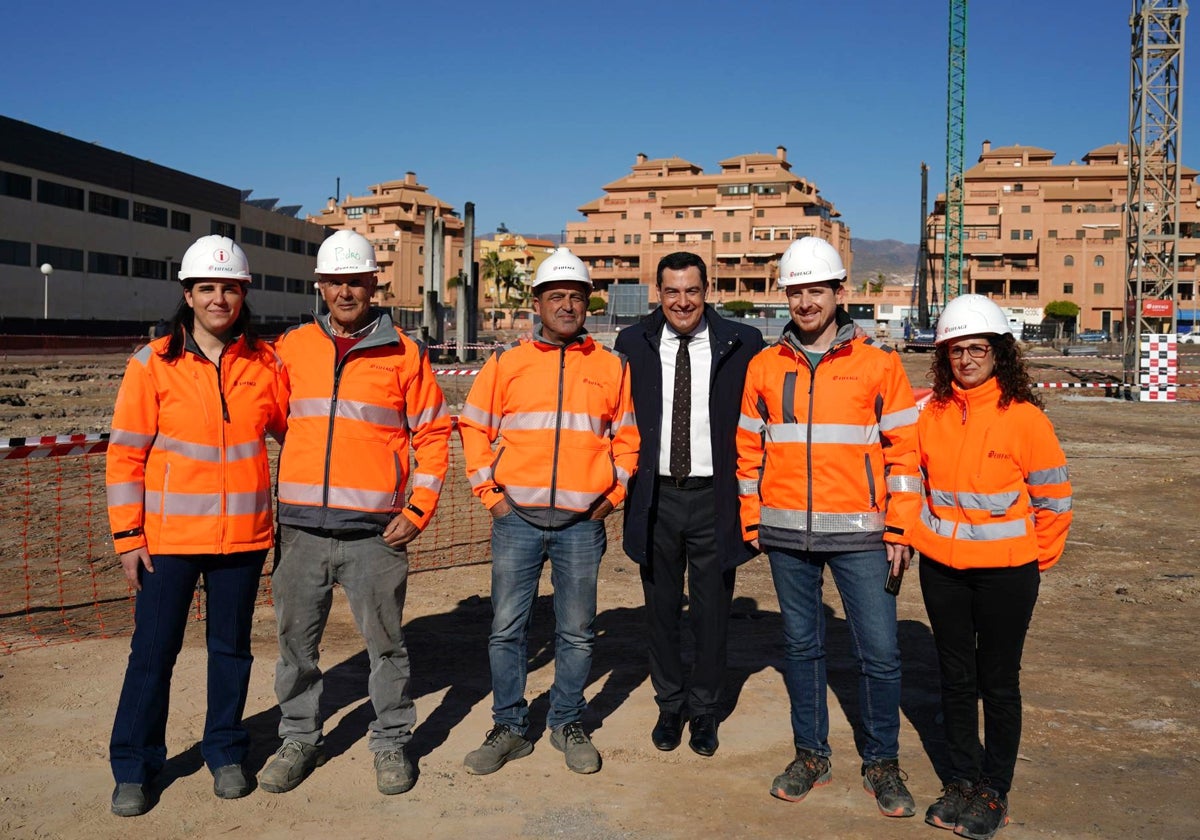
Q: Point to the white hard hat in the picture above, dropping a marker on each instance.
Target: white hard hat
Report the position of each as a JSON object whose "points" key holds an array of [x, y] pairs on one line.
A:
{"points": [[346, 252], [562, 265], [214, 258], [810, 260], [971, 315]]}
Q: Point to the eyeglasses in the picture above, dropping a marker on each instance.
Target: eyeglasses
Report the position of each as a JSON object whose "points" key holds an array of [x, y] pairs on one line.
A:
{"points": [[975, 351]]}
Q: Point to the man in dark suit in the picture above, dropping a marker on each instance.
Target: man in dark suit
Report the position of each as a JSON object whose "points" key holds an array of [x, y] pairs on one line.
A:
{"points": [[688, 366]]}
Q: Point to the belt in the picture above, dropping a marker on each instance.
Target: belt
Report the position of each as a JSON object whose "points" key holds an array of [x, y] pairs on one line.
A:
{"points": [[692, 482]]}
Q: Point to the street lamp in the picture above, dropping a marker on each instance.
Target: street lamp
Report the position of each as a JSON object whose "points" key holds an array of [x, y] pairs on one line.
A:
{"points": [[46, 270]]}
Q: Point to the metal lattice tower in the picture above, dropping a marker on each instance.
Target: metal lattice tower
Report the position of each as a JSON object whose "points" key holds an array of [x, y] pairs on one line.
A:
{"points": [[1152, 205], [956, 119]]}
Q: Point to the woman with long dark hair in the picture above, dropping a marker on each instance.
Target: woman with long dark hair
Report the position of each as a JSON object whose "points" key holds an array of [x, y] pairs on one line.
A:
{"points": [[996, 514], [189, 497]]}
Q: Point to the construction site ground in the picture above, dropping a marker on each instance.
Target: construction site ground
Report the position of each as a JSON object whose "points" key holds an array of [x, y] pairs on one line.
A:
{"points": [[1110, 680]]}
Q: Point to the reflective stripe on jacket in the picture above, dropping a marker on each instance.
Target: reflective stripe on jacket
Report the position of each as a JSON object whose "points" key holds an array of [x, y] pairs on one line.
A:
{"points": [[827, 457], [345, 463], [998, 492], [551, 428], [186, 468]]}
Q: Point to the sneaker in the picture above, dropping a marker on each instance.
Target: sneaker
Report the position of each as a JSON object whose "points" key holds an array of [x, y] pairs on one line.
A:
{"points": [[807, 771], [291, 766], [129, 800], [393, 771], [945, 811], [573, 742], [884, 780], [501, 745], [985, 814], [230, 782]]}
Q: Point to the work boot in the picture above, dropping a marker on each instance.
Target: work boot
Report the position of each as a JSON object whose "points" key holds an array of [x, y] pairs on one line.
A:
{"points": [[393, 771], [290, 766], [985, 814], [500, 746], [807, 771], [884, 780], [945, 811], [129, 800], [230, 782], [573, 742]]}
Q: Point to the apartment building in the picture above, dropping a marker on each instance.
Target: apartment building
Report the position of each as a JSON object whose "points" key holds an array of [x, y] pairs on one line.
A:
{"points": [[392, 217], [740, 220], [114, 227], [1036, 231]]}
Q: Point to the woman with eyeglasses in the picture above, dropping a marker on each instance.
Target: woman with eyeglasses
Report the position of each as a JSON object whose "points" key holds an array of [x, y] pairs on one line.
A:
{"points": [[996, 514]]}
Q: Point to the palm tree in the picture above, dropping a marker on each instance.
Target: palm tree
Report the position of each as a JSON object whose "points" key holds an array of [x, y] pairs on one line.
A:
{"points": [[500, 271]]}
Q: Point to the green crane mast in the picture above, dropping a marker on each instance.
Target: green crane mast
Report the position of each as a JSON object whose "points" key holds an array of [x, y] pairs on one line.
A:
{"points": [[956, 118]]}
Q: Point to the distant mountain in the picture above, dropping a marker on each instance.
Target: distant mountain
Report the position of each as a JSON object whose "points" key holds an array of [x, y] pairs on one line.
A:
{"points": [[892, 257]]}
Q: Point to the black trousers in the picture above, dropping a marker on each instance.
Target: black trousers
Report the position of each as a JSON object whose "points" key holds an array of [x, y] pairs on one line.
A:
{"points": [[684, 541], [979, 619]]}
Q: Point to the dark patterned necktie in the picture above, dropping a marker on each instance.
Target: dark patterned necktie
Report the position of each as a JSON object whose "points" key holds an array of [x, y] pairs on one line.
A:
{"points": [[681, 413]]}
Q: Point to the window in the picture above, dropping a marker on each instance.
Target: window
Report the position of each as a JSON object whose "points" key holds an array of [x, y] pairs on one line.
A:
{"points": [[274, 240], [14, 253], [1025, 208], [223, 229], [623, 215], [759, 213], [1018, 187], [993, 210], [274, 283], [1066, 208], [696, 214], [580, 239], [646, 215], [1014, 234], [149, 214], [295, 246], [1027, 235], [108, 205], [99, 263], [1112, 234], [181, 220], [256, 280], [737, 236], [679, 214], [60, 194], [1098, 262], [1080, 233], [637, 239], [628, 238], [1068, 288], [652, 194], [63, 259], [1068, 261], [313, 247], [296, 286], [1052, 234], [729, 214], [16, 186], [658, 237], [251, 236], [1097, 288], [725, 236], [354, 212], [152, 269]]}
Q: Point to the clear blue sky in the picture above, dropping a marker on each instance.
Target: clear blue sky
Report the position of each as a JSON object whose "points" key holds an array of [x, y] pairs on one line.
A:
{"points": [[527, 109]]}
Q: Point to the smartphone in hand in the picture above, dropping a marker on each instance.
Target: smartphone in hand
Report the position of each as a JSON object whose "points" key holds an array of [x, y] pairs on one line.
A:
{"points": [[892, 584]]}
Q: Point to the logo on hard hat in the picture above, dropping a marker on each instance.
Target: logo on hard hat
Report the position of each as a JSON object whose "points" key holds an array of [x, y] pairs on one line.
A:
{"points": [[221, 255]]}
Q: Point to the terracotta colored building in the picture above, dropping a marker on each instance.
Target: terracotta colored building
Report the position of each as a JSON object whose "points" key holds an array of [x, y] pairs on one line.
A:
{"points": [[739, 220], [392, 216], [1036, 231]]}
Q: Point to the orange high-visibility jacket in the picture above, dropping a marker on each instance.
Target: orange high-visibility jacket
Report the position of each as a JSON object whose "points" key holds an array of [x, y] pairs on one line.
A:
{"points": [[344, 464], [550, 428], [998, 492], [827, 457], [186, 468]]}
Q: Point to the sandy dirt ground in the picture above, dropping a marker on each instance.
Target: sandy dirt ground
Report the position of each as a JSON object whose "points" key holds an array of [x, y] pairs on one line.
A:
{"points": [[1111, 689]]}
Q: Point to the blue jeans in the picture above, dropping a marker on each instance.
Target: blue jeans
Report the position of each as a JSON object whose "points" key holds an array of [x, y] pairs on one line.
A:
{"points": [[519, 551], [138, 747], [374, 577], [871, 616]]}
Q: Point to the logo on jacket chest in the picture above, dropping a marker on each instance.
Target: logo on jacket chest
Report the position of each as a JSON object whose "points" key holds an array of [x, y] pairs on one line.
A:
{"points": [[999, 456], [594, 382], [385, 368]]}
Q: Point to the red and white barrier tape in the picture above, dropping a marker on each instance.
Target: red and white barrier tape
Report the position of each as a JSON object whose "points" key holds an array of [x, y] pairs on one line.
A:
{"points": [[52, 446]]}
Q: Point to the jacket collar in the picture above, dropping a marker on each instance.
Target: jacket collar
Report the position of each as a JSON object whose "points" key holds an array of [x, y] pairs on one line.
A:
{"points": [[581, 340], [845, 333], [383, 334]]}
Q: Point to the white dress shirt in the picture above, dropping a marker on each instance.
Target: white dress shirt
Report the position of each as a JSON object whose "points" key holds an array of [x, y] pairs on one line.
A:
{"points": [[700, 353]]}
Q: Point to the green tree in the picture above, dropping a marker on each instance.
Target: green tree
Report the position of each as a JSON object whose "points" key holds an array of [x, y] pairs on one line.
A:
{"points": [[1062, 309], [738, 308], [596, 304], [501, 272]]}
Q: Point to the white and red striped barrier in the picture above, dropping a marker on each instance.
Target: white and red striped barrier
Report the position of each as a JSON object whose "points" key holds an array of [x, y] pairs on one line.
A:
{"points": [[455, 371], [52, 446]]}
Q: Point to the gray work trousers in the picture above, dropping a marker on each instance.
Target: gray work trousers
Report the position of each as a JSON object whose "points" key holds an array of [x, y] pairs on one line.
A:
{"points": [[374, 577]]}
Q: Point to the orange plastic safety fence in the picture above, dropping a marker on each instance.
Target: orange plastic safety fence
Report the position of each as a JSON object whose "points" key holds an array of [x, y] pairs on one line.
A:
{"points": [[61, 581]]}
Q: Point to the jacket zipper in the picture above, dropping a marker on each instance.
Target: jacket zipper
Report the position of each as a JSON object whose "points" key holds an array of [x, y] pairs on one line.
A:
{"points": [[562, 369]]}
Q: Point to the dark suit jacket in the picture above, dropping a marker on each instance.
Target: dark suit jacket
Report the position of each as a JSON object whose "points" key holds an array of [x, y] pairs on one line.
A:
{"points": [[733, 346]]}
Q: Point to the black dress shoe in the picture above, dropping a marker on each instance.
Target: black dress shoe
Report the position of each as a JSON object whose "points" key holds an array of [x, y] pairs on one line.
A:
{"points": [[668, 732], [704, 734]]}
